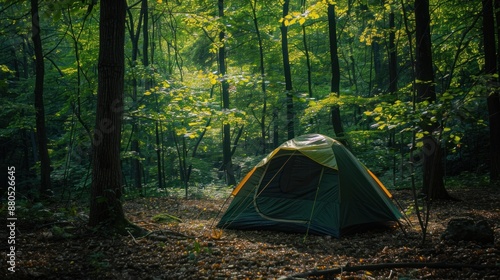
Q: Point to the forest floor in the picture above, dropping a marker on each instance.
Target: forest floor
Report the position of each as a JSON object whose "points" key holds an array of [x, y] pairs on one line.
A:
{"points": [[189, 249]]}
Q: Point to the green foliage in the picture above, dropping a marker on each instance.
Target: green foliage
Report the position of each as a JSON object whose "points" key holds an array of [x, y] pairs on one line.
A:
{"points": [[468, 180], [98, 260], [34, 211], [198, 248], [60, 232], [165, 218], [173, 105]]}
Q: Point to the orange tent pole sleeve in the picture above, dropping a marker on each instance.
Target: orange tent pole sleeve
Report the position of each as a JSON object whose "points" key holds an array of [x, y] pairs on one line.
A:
{"points": [[380, 183], [245, 179]]}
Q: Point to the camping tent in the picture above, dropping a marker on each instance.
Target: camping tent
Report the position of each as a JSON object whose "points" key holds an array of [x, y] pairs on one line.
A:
{"points": [[310, 184]]}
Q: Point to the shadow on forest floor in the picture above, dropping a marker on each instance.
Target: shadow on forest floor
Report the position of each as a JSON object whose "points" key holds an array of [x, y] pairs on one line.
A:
{"points": [[69, 250]]}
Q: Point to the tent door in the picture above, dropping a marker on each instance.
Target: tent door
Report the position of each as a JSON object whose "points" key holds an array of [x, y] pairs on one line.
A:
{"points": [[288, 189]]}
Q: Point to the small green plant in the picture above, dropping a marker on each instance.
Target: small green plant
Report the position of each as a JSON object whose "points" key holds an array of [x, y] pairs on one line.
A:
{"points": [[197, 249], [97, 261], [60, 232], [34, 212], [166, 218]]}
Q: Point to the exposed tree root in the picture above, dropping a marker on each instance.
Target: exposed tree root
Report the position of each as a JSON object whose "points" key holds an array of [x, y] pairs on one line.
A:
{"points": [[125, 227]]}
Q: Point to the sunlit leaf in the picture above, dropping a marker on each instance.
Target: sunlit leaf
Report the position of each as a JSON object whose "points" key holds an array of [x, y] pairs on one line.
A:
{"points": [[216, 233]]}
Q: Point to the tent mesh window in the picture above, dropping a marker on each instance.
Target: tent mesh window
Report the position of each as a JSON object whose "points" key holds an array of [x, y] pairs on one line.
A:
{"points": [[300, 176]]}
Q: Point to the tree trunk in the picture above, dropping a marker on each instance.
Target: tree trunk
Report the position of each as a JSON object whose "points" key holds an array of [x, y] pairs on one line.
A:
{"points": [[433, 184], [262, 68], [39, 106], [105, 204], [148, 83], [491, 68], [496, 4], [158, 149], [423, 64], [335, 81], [135, 147], [377, 67], [494, 120], [290, 115], [276, 136], [226, 130], [308, 61], [393, 62], [145, 34]]}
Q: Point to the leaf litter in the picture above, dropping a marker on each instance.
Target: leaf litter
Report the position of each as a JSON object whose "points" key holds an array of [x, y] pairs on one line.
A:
{"points": [[184, 245]]}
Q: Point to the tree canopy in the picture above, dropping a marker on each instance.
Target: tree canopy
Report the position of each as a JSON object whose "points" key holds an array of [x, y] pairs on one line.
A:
{"points": [[202, 77]]}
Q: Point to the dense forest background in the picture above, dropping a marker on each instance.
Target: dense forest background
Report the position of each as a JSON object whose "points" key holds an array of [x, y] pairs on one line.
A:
{"points": [[213, 86]]}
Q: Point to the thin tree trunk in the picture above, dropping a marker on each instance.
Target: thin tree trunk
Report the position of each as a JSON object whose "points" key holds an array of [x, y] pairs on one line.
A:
{"points": [[145, 34], [134, 36], [185, 171], [39, 106], [237, 139], [308, 62], [433, 184], [491, 68], [172, 23], [335, 80], [158, 153], [496, 4], [276, 137], [290, 115], [494, 113], [377, 67], [262, 121], [147, 85], [393, 61], [226, 129]]}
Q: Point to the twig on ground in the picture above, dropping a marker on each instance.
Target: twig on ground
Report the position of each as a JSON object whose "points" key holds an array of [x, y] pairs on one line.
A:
{"points": [[135, 241]]}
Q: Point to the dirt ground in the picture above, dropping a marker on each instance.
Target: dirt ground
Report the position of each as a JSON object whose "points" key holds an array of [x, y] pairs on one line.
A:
{"points": [[188, 248]]}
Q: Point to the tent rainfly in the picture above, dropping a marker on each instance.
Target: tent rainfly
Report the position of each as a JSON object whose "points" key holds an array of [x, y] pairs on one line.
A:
{"points": [[310, 184]]}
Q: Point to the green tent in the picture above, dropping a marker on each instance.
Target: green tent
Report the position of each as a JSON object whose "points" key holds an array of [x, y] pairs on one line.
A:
{"points": [[310, 184]]}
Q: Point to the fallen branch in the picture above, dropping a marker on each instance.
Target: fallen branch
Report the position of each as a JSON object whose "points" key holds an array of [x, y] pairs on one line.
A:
{"points": [[333, 271], [165, 235]]}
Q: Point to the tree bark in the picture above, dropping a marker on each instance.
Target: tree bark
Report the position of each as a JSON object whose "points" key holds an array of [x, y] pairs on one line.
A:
{"points": [[105, 204], [491, 68], [423, 64], [276, 136], [393, 62], [290, 115], [145, 34], [262, 121], [377, 67], [433, 184], [335, 80], [39, 105], [135, 147], [308, 61], [226, 129]]}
